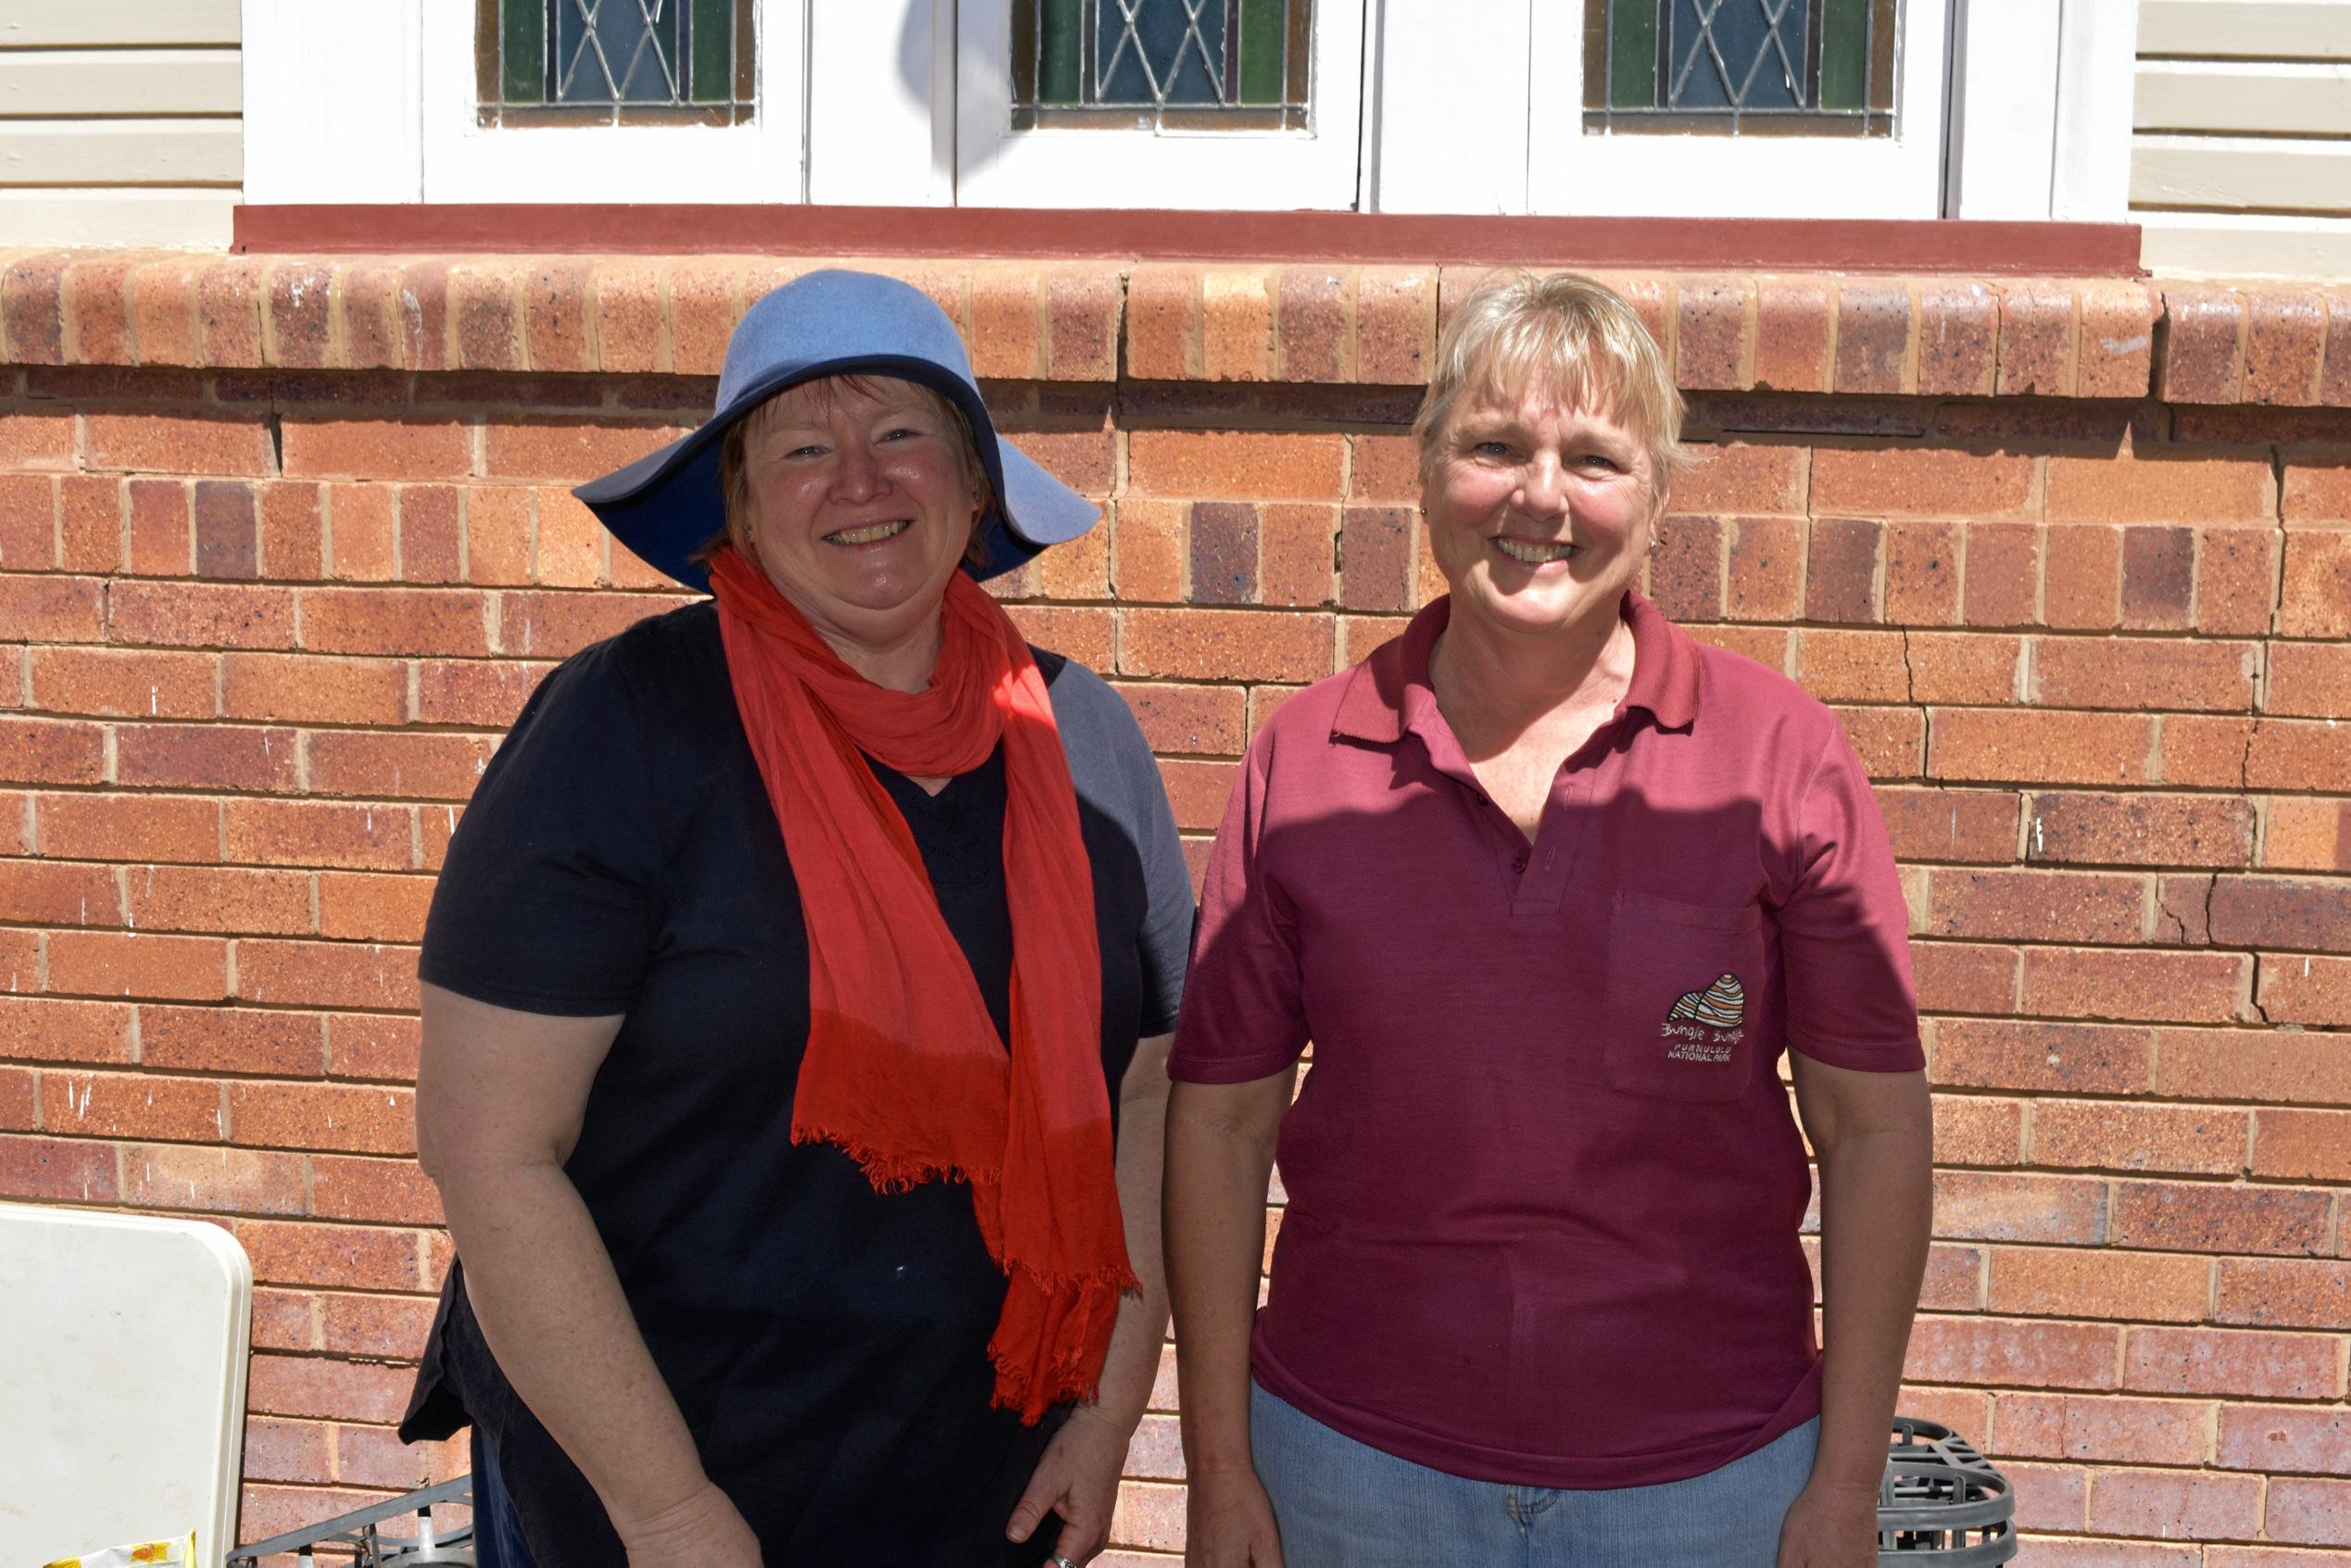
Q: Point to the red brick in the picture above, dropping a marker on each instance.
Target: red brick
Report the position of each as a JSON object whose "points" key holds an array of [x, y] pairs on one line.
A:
{"points": [[2138, 673], [59, 894], [2250, 1065], [1713, 330], [1792, 317], [2018, 1054], [327, 975], [1766, 576], [2306, 990], [284, 1319], [2001, 580], [90, 520], [119, 684], [2262, 911], [2267, 1438], [2139, 830], [367, 907], [394, 621], [1224, 547], [2204, 1140], [1239, 464], [2210, 751], [2160, 489], [206, 756], [2039, 747], [2310, 679], [324, 446], [569, 543], [363, 535], [2120, 1431], [570, 450], [2159, 577], [1395, 323], [1891, 742], [1202, 720], [160, 297], [2203, 344], [2208, 1361], [386, 1191], [2037, 906], [2048, 1497], [205, 898], [54, 1170], [1162, 322], [1951, 824], [124, 827], [2284, 1293], [2037, 333], [2201, 1217], [1853, 666], [326, 1389], [1963, 666], [2083, 588], [2289, 755], [474, 693], [426, 767], [1921, 480], [28, 523], [310, 689], [2098, 1283], [285, 1450], [1978, 1132], [1223, 645], [1983, 1206], [2116, 339], [2285, 339], [2308, 836], [221, 1181], [264, 1511], [2311, 1512], [238, 1040], [346, 1117], [432, 539], [176, 443], [1922, 573], [2303, 1145], [126, 1105], [2236, 579], [200, 615], [45, 1029], [228, 300], [2013, 1353], [1742, 477], [2316, 599], [292, 531], [19, 961], [1971, 978], [304, 833], [16, 1099], [1874, 322], [126, 964], [552, 625], [2197, 1507], [52, 751], [367, 1046], [1296, 551]]}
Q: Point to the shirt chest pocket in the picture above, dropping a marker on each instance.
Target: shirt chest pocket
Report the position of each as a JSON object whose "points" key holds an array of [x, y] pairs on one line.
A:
{"points": [[1679, 981]]}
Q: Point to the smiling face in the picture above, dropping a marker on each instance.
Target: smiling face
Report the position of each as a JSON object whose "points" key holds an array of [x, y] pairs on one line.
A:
{"points": [[861, 497], [1539, 512]]}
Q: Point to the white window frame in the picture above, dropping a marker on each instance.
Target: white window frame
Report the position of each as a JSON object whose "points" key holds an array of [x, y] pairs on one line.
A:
{"points": [[2042, 112], [1634, 175], [467, 162], [1317, 168]]}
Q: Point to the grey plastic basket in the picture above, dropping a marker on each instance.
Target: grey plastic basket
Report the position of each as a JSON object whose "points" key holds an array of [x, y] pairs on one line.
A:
{"points": [[1940, 1498], [356, 1533]]}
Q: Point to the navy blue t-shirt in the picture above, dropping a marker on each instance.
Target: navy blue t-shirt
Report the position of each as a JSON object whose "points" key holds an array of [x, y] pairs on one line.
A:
{"points": [[827, 1343]]}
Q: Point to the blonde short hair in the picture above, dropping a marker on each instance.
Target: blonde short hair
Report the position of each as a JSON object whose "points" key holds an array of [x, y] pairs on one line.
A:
{"points": [[1569, 335]]}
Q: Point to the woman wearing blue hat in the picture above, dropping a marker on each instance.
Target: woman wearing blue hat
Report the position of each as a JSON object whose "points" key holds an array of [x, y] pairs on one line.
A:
{"points": [[786, 984]]}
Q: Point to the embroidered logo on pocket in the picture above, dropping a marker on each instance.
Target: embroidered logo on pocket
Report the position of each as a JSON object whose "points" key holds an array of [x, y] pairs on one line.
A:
{"points": [[1703, 1025]]}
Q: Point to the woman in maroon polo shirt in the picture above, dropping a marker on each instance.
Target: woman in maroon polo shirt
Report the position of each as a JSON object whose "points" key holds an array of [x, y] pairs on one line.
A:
{"points": [[1550, 885]]}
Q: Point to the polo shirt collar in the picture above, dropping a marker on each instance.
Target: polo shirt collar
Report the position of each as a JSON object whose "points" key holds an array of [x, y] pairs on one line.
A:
{"points": [[1388, 694]]}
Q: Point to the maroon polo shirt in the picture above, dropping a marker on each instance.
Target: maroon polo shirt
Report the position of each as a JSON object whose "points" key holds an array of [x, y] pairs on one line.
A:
{"points": [[1544, 1185]]}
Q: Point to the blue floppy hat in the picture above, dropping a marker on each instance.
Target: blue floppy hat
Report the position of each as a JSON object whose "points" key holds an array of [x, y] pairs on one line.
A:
{"points": [[667, 505]]}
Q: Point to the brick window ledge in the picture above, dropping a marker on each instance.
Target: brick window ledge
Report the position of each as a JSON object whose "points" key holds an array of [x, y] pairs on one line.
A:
{"points": [[1081, 322]]}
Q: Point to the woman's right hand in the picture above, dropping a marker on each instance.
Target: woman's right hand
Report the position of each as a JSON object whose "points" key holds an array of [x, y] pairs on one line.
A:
{"points": [[1229, 1523], [704, 1529]]}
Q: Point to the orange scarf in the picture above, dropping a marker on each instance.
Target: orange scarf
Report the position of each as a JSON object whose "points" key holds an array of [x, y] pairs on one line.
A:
{"points": [[903, 1070]]}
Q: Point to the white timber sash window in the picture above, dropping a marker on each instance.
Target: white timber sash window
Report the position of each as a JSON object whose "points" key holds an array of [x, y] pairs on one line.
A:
{"points": [[1231, 103]]}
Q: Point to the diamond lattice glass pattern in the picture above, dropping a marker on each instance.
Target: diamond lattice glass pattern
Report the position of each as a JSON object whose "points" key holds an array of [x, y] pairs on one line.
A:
{"points": [[1180, 64], [1747, 67], [628, 62]]}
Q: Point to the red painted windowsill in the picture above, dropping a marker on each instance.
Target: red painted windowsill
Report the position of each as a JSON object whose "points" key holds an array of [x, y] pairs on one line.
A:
{"points": [[1355, 238]]}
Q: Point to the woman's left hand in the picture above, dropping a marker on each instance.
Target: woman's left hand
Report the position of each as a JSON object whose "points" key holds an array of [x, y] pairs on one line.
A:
{"points": [[1831, 1526], [1078, 1478]]}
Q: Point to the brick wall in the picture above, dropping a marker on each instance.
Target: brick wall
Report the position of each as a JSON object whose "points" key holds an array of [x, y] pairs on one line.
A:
{"points": [[284, 544]]}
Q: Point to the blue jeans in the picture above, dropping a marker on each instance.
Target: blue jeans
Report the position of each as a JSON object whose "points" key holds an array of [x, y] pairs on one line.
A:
{"points": [[1341, 1504]]}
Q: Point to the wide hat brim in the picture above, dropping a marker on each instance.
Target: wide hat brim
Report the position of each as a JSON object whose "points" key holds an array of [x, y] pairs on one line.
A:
{"points": [[667, 507]]}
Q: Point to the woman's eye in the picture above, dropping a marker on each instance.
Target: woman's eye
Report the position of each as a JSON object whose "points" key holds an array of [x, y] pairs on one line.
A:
{"points": [[1595, 460], [1493, 449]]}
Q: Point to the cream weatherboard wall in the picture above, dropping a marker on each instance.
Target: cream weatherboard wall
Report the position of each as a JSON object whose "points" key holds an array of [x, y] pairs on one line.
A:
{"points": [[2241, 153], [121, 121]]}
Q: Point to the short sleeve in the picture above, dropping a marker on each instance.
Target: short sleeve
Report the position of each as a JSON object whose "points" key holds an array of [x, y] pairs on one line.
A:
{"points": [[544, 902], [1844, 938], [1166, 941], [1244, 1013]]}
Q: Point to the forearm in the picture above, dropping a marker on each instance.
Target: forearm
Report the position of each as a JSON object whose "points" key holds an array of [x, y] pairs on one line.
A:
{"points": [[1132, 1366], [550, 1306], [1876, 1209], [1216, 1240]]}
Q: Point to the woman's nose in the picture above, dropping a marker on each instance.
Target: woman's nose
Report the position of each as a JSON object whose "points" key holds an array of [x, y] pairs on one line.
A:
{"points": [[1543, 486], [857, 473]]}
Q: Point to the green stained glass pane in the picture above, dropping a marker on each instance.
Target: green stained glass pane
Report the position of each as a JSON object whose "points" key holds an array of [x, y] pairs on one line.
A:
{"points": [[709, 28], [1262, 30], [1060, 51], [521, 51], [1632, 53], [1844, 54]]}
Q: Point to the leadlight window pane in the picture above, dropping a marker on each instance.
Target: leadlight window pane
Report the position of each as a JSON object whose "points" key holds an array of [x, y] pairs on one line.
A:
{"points": [[614, 62], [1740, 67], [1161, 64]]}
